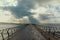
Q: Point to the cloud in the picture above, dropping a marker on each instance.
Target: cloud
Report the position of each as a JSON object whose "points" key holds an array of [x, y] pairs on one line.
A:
{"points": [[50, 14], [4, 16], [6, 3], [21, 10], [30, 8]]}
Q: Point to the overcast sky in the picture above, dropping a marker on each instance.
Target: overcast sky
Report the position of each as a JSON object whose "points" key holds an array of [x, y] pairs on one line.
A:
{"points": [[30, 11]]}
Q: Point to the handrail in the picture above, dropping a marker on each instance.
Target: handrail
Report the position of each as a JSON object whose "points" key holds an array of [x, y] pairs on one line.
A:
{"points": [[9, 34], [47, 34]]}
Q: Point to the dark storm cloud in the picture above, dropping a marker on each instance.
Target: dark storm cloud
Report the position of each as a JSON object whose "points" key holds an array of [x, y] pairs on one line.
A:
{"points": [[22, 8]]}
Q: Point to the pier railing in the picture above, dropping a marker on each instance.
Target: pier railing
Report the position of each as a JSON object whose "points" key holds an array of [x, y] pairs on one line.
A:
{"points": [[50, 33], [52, 30], [6, 34]]}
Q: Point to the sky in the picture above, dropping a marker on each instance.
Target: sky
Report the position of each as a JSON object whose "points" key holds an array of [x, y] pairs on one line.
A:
{"points": [[30, 11]]}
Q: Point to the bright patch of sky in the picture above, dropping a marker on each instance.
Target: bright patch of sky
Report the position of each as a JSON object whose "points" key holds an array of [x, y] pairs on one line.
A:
{"points": [[54, 7], [6, 16], [4, 3]]}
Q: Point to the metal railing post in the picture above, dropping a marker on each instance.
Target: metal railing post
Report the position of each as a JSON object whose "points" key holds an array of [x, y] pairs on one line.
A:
{"points": [[8, 33], [12, 32], [2, 35]]}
